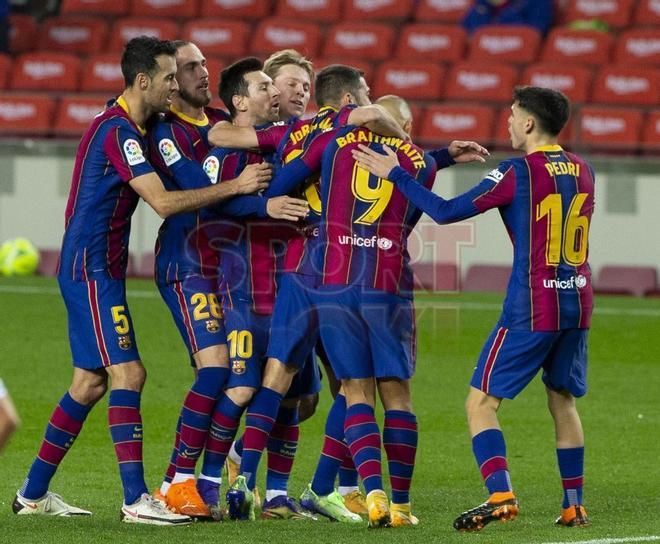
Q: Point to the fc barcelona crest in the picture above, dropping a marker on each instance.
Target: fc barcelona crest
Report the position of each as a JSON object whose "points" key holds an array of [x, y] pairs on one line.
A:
{"points": [[238, 367], [212, 325], [125, 342]]}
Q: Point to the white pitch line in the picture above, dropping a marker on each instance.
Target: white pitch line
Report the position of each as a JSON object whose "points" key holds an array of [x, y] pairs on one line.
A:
{"points": [[653, 538], [419, 304]]}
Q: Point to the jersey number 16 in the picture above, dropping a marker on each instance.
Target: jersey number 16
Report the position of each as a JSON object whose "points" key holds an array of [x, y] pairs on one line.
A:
{"points": [[565, 236]]}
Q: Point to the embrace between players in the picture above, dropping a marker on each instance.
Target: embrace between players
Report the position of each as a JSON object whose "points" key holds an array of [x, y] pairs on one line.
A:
{"points": [[259, 283]]}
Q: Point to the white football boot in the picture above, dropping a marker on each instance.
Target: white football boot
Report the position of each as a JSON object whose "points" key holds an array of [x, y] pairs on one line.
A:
{"points": [[152, 512], [51, 504]]}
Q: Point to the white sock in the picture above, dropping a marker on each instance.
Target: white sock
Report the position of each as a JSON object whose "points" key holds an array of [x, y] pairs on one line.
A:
{"points": [[165, 487], [346, 489], [233, 454], [272, 493], [180, 477], [210, 479]]}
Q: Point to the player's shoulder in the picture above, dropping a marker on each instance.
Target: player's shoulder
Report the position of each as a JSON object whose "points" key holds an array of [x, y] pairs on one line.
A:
{"points": [[215, 115]]}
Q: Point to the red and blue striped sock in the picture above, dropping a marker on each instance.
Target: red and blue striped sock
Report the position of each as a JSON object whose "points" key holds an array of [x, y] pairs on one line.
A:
{"points": [[224, 424], [363, 438], [238, 446], [282, 445], [259, 422], [125, 423], [348, 474], [489, 450], [334, 450], [571, 469], [400, 442], [62, 429], [196, 418]]}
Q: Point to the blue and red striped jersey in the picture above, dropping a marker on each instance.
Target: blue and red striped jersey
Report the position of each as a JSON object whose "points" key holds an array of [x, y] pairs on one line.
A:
{"points": [[546, 200], [178, 145], [101, 202]]}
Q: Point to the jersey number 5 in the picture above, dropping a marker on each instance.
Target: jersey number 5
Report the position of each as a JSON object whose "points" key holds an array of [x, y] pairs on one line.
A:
{"points": [[378, 196], [567, 237]]}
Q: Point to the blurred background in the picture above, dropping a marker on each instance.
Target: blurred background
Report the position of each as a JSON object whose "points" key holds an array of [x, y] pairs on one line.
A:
{"points": [[456, 61]]}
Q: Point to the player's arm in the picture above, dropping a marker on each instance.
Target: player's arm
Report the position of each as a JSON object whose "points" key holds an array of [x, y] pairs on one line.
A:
{"points": [[224, 134], [279, 207], [474, 201], [459, 151], [378, 120]]}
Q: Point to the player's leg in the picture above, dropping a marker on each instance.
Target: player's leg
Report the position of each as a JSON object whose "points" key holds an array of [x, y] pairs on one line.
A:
{"points": [[565, 378]]}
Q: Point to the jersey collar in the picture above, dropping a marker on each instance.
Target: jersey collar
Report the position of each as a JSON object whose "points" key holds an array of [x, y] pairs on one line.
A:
{"points": [[197, 122], [124, 106], [548, 149]]}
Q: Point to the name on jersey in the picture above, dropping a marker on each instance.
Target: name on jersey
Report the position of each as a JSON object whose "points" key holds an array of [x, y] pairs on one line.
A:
{"points": [[359, 241], [558, 168], [133, 152], [406, 148], [578, 281], [298, 135]]}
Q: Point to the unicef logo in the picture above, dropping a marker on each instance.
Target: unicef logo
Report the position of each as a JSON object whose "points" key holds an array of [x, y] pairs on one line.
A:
{"points": [[580, 281], [384, 243]]}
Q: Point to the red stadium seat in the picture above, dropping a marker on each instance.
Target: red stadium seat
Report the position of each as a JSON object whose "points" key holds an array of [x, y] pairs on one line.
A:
{"points": [[368, 41], [22, 33], [75, 112], [5, 70], [626, 280], [102, 73], [651, 134], [448, 122], [647, 13], [26, 113], [623, 85], [164, 8], [489, 278], [326, 11], [573, 81], [585, 46], [616, 13], [639, 46], [503, 139], [378, 10], [215, 65], [95, 7], [239, 9], [615, 128], [508, 43], [48, 261], [218, 37], [46, 72], [433, 42], [441, 11], [130, 27], [367, 68], [73, 34], [481, 81], [273, 34], [410, 80], [435, 276]]}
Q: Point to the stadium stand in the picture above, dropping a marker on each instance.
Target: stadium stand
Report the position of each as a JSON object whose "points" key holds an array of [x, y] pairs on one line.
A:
{"points": [[616, 13], [436, 276], [488, 278], [505, 43], [605, 127], [431, 42], [489, 81], [165, 8], [128, 28], [97, 7], [352, 40], [22, 33], [446, 122], [379, 10], [102, 73], [626, 86], [215, 65], [638, 46], [246, 9], [46, 72], [28, 114], [647, 13], [273, 34], [5, 70], [577, 46], [367, 68], [573, 81], [73, 34], [325, 11], [441, 11], [411, 80], [626, 280], [218, 36], [48, 260], [651, 133], [74, 113]]}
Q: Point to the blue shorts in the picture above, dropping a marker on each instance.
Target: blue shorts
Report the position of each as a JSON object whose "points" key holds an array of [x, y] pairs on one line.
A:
{"points": [[307, 381], [295, 324], [196, 310], [100, 326], [367, 333], [510, 359]]}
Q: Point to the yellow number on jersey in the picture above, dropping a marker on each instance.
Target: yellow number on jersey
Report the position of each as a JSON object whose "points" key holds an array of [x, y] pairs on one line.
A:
{"points": [[201, 301], [575, 230], [378, 196], [240, 344], [120, 319], [311, 193]]}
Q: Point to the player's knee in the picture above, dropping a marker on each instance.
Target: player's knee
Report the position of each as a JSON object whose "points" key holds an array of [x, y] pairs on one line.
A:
{"points": [[278, 376], [479, 403], [307, 406], [241, 396]]}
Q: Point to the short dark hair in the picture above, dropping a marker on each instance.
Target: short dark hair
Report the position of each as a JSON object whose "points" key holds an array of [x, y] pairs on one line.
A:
{"points": [[550, 107], [232, 80], [333, 81], [140, 55]]}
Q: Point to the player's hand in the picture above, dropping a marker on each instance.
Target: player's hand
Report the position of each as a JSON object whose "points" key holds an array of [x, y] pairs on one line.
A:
{"points": [[253, 178], [378, 164], [462, 151], [285, 207]]}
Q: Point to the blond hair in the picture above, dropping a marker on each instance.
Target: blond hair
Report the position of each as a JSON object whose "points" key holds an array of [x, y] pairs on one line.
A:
{"points": [[281, 58]]}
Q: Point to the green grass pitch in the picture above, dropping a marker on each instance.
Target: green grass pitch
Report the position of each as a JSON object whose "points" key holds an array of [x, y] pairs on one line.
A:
{"points": [[621, 417]]}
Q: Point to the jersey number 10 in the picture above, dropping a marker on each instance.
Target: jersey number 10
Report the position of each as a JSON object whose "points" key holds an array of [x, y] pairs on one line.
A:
{"points": [[565, 236]]}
